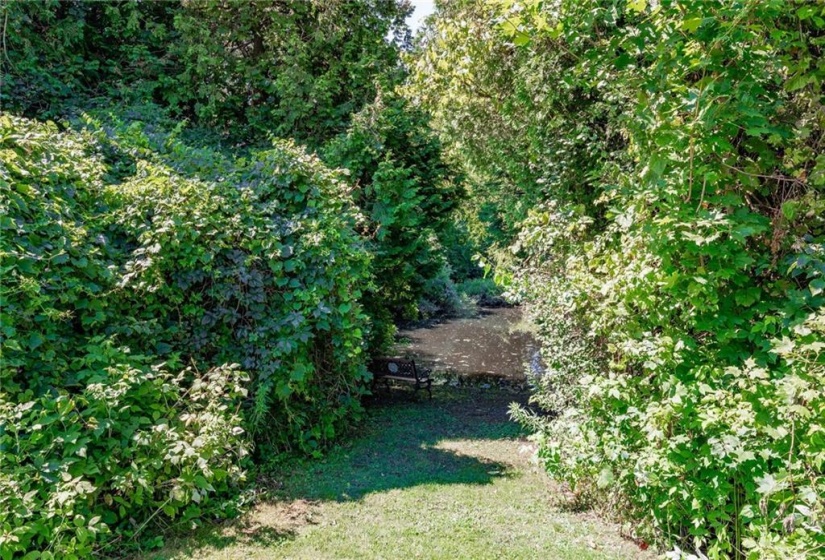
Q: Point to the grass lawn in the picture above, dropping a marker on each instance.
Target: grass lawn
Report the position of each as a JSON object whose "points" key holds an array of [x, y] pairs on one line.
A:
{"points": [[447, 478]]}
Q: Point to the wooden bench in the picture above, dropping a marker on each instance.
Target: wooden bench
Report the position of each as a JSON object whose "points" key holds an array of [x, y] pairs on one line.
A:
{"points": [[400, 369]]}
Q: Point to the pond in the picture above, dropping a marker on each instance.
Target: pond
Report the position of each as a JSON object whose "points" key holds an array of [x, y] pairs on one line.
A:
{"points": [[497, 343]]}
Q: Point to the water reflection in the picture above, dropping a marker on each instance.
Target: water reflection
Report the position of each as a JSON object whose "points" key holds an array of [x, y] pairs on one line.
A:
{"points": [[498, 342]]}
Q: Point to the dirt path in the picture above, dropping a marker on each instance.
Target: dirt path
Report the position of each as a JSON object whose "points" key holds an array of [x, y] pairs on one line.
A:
{"points": [[447, 478], [498, 342]]}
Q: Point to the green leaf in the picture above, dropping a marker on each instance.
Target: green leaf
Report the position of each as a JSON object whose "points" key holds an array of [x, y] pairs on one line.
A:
{"points": [[606, 478], [789, 209], [816, 286], [692, 24], [521, 39], [35, 340], [298, 373], [637, 6], [769, 485], [798, 81], [748, 296]]}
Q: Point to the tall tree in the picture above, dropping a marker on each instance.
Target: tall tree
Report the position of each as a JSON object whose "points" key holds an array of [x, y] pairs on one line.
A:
{"points": [[407, 192], [60, 54], [290, 68]]}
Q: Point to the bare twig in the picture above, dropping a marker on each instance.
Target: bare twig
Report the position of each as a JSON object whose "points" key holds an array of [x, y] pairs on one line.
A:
{"points": [[778, 178]]}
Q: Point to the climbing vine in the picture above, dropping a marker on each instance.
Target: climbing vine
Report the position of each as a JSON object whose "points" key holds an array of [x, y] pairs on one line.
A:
{"points": [[672, 249]]}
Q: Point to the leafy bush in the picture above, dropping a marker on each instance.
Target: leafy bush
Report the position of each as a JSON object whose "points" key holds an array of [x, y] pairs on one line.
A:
{"points": [[407, 192], [439, 296], [717, 452], [251, 260], [483, 291], [673, 251], [121, 235], [134, 446], [675, 404]]}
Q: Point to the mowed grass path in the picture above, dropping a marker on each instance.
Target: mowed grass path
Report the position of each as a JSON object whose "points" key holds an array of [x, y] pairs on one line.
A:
{"points": [[448, 478]]}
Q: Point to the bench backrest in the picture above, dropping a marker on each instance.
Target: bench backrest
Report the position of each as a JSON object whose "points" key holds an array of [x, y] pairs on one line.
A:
{"points": [[400, 367]]}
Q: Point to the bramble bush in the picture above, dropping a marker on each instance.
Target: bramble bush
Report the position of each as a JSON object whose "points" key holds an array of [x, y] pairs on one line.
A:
{"points": [[161, 303], [135, 446]]}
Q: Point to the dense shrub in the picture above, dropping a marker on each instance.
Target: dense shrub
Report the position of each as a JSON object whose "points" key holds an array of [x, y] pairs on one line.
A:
{"points": [[407, 192], [717, 449], [439, 296], [483, 291], [673, 253], [124, 248], [679, 402], [170, 305], [133, 447], [251, 260]]}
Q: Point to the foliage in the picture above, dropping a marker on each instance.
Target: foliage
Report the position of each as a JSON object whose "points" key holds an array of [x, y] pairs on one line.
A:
{"points": [[501, 110], [123, 235], [58, 54], [261, 266], [440, 296], [134, 446], [295, 69], [482, 290], [673, 254], [407, 193], [245, 71]]}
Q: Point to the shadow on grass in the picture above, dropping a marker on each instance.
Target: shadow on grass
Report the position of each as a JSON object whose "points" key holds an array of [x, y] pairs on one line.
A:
{"points": [[397, 446], [394, 448], [255, 535], [242, 531]]}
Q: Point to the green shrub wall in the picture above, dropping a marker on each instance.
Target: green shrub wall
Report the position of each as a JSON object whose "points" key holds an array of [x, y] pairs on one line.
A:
{"points": [[160, 303], [662, 163]]}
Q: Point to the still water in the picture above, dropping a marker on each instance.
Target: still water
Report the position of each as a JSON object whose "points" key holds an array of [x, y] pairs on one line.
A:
{"points": [[498, 342]]}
